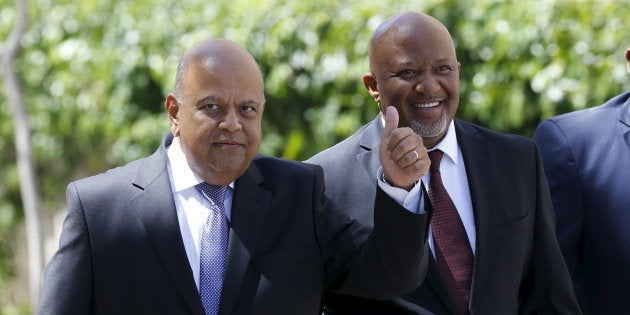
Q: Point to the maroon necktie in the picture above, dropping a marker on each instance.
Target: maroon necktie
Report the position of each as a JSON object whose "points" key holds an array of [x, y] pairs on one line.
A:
{"points": [[450, 242]]}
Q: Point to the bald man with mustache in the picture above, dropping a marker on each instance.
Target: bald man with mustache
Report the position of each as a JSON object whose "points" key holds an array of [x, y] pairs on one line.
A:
{"points": [[492, 234]]}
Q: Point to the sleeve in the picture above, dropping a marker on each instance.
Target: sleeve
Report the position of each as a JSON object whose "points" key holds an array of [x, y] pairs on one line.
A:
{"points": [[390, 261], [67, 287], [411, 200], [548, 287], [566, 193]]}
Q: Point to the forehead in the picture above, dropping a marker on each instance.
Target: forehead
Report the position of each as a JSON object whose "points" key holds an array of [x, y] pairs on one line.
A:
{"points": [[421, 43], [412, 43], [223, 76]]}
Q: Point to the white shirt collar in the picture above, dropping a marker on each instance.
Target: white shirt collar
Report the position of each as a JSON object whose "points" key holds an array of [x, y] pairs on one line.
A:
{"points": [[448, 145], [183, 176]]}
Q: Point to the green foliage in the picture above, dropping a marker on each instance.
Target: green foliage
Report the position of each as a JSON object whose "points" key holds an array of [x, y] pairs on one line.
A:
{"points": [[95, 73], [530, 60]]}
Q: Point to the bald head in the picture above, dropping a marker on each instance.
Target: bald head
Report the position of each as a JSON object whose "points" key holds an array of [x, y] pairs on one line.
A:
{"points": [[402, 27], [216, 110], [212, 55], [413, 67]]}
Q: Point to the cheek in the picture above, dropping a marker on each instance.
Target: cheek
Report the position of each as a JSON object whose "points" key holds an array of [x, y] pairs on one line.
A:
{"points": [[452, 87], [254, 134], [395, 92]]}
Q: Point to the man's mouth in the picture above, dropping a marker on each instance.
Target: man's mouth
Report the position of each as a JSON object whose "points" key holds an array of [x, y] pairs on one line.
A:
{"points": [[227, 143], [426, 105]]}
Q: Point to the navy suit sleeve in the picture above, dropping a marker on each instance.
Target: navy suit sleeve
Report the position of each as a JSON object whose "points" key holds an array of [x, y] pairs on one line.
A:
{"points": [[566, 192], [68, 277]]}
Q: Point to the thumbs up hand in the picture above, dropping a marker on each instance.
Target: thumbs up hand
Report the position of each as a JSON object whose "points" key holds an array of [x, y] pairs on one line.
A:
{"points": [[402, 153]]}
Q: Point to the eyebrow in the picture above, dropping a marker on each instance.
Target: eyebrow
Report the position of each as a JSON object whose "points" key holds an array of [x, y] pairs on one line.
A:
{"points": [[208, 98], [251, 101], [410, 63], [214, 99]]}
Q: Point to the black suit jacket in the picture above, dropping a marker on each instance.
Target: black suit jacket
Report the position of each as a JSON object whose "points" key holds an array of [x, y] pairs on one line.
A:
{"points": [[518, 265], [121, 250]]}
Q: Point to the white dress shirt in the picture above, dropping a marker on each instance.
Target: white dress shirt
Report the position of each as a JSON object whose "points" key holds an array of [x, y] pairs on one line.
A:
{"points": [[193, 208], [455, 181]]}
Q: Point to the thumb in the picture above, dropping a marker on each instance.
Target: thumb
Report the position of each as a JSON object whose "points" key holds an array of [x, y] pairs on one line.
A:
{"points": [[391, 119]]}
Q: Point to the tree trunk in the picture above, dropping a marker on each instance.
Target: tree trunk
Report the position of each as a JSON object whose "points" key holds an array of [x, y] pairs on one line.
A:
{"points": [[29, 184]]}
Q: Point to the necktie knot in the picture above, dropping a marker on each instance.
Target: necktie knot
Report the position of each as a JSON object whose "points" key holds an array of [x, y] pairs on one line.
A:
{"points": [[215, 193], [436, 157]]}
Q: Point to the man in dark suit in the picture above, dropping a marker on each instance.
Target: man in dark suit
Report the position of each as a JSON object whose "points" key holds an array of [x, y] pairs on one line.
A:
{"points": [[587, 162], [204, 226], [499, 217]]}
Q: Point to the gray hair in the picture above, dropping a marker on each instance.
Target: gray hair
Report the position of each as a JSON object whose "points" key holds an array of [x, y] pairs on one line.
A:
{"points": [[179, 78]]}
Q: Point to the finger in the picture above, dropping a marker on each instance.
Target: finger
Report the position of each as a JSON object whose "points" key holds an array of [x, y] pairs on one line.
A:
{"points": [[401, 142], [391, 120], [408, 159]]}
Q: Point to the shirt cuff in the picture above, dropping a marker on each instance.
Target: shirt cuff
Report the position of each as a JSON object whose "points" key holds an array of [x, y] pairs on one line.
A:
{"points": [[410, 200]]}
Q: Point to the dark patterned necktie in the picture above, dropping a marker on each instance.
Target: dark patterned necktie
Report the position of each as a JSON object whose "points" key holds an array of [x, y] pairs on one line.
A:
{"points": [[213, 248], [452, 249]]}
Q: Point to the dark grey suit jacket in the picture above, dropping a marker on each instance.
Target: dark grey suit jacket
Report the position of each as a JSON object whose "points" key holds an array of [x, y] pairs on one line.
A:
{"points": [[121, 250], [587, 162], [518, 265]]}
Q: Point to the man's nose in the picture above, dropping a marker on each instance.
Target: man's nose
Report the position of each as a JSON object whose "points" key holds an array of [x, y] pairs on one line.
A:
{"points": [[427, 83], [231, 121]]}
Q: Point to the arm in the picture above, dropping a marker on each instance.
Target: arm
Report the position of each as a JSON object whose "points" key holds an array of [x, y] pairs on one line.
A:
{"points": [[393, 259], [389, 262], [68, 287], [566, 193]]}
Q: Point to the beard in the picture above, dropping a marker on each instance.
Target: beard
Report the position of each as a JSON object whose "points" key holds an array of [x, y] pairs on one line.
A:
{"points": [[432, 129]]}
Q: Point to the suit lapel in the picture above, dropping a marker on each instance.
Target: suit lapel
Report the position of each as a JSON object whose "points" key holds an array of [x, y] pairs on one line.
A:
{"points": [[249, 210], [624, 119], [479, 166], [478, 170], [368, 155], [155, 206]]}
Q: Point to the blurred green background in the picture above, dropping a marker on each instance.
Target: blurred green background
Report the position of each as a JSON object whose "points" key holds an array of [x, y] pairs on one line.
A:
{"points": [[94, 74]]}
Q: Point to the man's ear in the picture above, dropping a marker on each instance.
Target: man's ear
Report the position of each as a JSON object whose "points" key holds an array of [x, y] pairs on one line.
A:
{"points": [[370, 84], [628, 58], [172, 108]]}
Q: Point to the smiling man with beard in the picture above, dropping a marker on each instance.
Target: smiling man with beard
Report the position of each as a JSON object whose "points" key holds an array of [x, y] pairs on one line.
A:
{"points": [[492, 235]]}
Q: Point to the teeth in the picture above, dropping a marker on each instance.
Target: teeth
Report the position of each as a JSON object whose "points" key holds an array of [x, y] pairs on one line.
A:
{"points": [[427, 105]]}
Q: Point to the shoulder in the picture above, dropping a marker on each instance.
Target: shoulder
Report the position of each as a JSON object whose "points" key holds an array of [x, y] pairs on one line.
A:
{"points": [[115, 174], [594, 117], [279, 167], [282, 176], [498, 149], [108, 184], [363, 140], [467, 130], [146, 168], [117, 182]]}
